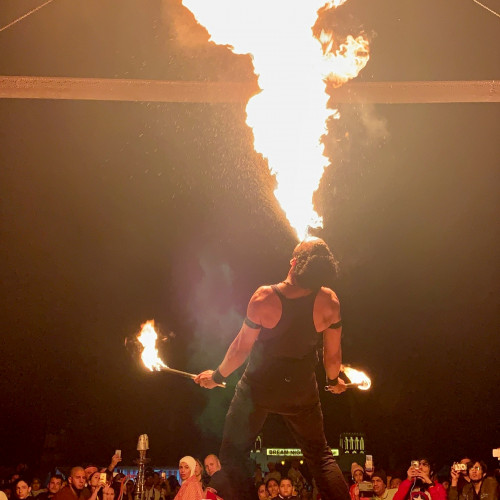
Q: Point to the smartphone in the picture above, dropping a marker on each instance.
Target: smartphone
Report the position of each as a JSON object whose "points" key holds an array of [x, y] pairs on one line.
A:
{"points": [[103, 477], [369, 463], [415, 464], [163, 475], [118, 453]]}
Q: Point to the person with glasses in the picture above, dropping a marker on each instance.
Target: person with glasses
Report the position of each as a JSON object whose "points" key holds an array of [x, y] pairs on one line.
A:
{"points": [[480, 487], [419, 485]]}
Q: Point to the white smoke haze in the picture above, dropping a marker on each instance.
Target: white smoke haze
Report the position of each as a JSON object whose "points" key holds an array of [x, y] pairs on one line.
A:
{"points": [[375, 126], [211, 310]]}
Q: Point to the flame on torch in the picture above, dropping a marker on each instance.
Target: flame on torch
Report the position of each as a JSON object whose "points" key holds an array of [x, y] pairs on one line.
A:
{"points": [[149, 355], [357, 377], [289, 116]]}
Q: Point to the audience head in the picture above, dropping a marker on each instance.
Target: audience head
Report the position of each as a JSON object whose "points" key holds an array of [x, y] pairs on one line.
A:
{"points": [[477, 469], [357, 472], [94, 479], [286, 487], [212, 464], [379, 482], [108, 492], [395, 482], [272, 487], [89, 470], [55, 483], [77, 478], [262, 492], [187, 466], [149, 477], [198, 469], [21, 489], [36, 484]]}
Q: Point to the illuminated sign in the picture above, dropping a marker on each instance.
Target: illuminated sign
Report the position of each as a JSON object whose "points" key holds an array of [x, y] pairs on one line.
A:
{"points": [[352, 442], [292, 452], [285, 452]]}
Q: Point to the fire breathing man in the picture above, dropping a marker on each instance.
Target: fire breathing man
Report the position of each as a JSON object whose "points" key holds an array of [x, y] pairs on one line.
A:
{"points": [[280, 334]]}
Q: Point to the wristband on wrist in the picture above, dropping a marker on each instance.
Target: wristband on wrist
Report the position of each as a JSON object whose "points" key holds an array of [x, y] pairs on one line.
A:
{"points": [[332, 381], [217, 377]]}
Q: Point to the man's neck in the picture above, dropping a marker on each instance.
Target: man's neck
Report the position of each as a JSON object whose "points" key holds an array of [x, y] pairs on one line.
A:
{"points": [[477, 484]]}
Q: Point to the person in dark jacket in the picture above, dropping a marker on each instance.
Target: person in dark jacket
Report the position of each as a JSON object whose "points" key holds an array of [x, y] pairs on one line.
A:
{"points": [[480, 487]]}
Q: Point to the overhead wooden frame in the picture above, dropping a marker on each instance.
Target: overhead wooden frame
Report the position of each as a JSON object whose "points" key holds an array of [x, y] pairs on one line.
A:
{"points": [[109, 89]]}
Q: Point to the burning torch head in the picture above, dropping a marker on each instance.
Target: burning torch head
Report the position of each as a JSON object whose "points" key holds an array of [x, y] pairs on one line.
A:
{"points": [[357, 377], [143, 347]]}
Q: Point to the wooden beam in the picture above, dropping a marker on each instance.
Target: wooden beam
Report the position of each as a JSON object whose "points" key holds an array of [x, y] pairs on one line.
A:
{"points": [[417, 92], [108, 89]]}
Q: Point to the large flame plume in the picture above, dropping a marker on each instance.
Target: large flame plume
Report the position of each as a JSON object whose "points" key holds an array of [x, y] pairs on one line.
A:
{"points": [[289, 116]]}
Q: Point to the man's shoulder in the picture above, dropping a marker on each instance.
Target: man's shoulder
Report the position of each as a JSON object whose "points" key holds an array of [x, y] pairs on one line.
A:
{"points": [[390, 493], [328, 295], [263, 293]]}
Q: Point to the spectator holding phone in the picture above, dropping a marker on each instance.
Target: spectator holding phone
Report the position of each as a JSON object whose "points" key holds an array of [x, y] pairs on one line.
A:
{"points": [[380, 490], [479, 487], [357, 474], [419, 485]]}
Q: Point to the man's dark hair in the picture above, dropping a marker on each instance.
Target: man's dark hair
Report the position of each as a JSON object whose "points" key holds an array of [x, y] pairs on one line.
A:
{"points": [[381, 474], [56, 476], [269, 480], [474, 461], [285, 479], [315, 264]]}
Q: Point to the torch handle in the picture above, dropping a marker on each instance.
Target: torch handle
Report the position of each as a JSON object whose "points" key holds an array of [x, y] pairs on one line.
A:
{"points": [[192, 376], [348, 386]]}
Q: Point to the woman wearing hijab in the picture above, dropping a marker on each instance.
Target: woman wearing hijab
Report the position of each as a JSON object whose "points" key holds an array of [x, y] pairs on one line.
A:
{"points": [[191, 487]]}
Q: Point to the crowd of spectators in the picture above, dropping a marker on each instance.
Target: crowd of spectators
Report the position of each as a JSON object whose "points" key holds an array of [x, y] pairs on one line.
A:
{"points": [[467, 479]]}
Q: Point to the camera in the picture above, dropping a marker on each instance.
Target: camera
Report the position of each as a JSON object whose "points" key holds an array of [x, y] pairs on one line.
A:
{"points": [[415, 464], [365, 489], [459, 467]]}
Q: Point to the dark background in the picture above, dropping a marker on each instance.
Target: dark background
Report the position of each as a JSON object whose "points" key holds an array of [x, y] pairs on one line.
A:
{"points": [[113, 213]]}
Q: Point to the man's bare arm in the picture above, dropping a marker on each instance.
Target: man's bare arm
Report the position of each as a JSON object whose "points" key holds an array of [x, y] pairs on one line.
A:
{"points": [[332, 358], [332, 352], [239, 350]]}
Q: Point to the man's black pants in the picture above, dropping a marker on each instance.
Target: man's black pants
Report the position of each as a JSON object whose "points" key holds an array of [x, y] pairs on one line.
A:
{"points": [[303, 416]]}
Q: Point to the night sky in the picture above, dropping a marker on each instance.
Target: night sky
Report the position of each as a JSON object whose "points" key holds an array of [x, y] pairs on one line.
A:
{"points": [[113, 213]]}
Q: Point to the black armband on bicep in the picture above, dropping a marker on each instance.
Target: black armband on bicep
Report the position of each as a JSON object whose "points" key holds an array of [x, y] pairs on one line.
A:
{"points": [[251, 324], [334, 326]]}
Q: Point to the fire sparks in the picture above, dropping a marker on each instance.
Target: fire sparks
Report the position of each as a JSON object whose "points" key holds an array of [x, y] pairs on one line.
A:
{"points": [[357, 377], [289, 116], [149, 355]]}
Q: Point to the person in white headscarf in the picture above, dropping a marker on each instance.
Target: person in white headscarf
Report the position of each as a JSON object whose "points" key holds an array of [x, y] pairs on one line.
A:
{"points": [[191, 487]]}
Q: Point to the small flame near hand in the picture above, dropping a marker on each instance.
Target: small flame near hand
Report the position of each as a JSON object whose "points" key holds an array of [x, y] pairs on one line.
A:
{"points": [[149, 355], [361, 379]]}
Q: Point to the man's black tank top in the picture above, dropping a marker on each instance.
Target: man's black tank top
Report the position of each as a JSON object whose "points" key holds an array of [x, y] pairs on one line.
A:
{"points": [[287, 351]]}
